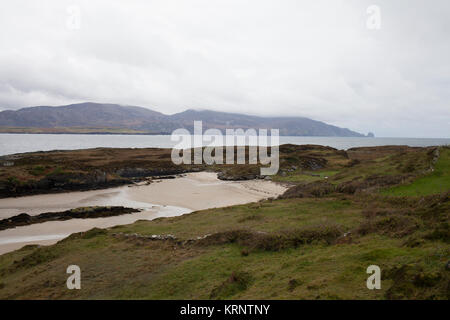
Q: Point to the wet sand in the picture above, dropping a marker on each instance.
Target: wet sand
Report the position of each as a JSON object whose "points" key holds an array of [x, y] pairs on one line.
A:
{"points": [[195, 191]]}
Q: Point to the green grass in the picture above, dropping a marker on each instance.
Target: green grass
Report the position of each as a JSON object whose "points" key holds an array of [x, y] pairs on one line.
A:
{"points": [[320, 271], [436, 182], [118, 268]]}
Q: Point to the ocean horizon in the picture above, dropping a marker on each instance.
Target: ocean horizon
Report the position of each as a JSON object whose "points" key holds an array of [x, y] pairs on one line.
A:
{"points": [[21, 143]]}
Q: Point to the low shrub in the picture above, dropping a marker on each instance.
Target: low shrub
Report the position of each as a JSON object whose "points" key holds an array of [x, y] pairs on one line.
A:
{"points": [[275, 241], [237, 282]]}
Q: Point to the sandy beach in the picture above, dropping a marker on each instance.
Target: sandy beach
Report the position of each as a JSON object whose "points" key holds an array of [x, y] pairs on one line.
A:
{"points": [[162, 198]]}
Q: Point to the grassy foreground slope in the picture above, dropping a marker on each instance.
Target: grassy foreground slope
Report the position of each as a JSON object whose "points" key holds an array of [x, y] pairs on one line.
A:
{"points": [[315, 242]]}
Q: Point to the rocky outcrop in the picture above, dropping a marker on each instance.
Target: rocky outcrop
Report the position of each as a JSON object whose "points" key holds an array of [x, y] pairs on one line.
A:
{"points": [[145, 172], [24, 219], [81, 181], [230, 176], [60, 182], [435, 157], [312, 163], [136, 236]]}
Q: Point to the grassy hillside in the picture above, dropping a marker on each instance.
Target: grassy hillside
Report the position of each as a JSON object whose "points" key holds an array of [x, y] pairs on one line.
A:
{"points": [[435, 182], [313, 243]]}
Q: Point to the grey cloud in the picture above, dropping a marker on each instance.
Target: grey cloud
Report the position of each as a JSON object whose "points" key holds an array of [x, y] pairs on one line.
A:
{"points": [[289, 57]]}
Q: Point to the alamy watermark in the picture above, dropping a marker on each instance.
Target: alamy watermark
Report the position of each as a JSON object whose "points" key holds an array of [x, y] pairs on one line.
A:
{"points": [[73, 21], [373, 281], [258, 144], [374, 17], [74, 280]]}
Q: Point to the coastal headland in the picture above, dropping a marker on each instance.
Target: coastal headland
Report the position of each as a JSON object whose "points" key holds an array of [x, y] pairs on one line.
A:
{"points": [[338, 213]]}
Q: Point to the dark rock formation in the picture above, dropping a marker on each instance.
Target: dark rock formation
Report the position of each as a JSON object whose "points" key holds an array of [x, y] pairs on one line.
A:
{"points": [[24, 219]]}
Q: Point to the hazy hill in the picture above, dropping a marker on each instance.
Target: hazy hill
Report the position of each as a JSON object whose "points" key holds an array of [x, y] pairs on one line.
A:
{"points": [[96, 115], [83, 114], [288, 126]]}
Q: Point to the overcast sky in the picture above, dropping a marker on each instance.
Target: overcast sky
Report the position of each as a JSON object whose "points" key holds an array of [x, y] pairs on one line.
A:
{"points": [[317, 59]]}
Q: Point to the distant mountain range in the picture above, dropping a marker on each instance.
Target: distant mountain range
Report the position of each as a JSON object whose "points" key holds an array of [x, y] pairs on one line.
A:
{"points": [[113, 118]]}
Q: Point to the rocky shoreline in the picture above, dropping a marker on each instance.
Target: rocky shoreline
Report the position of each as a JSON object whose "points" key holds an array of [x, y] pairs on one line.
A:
{"points": [[93, 180], [25, 219], [102, 168]]}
